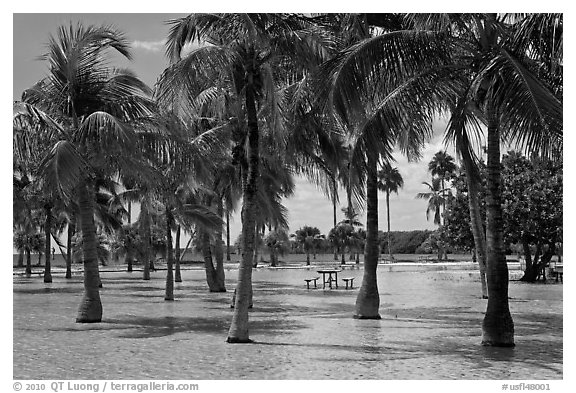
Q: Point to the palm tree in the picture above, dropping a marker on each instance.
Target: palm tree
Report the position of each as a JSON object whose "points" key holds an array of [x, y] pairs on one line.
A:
{"points": [[244, 49], [341, 237], [276, 241], [443, 166], [91, 105], [389, 180], [305, 237], [436, 199], [384, 99], [126, 244], [514, 64]]}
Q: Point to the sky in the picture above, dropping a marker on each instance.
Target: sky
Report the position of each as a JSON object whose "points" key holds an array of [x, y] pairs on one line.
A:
{"points": [[147, 33]]}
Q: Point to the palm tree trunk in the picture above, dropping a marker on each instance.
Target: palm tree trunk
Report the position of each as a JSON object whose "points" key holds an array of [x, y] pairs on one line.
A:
{"points": [[47, 232], [219, 252], [147, 252], [71, 231], [169, 257], [238, 332], [476, 225], [388, 219], [90, 309], [368, 300], [334, 212], [227, 235], [28, 263], [129, 260], [20, 258], [208, 263], [497, 327], [178, 276], [256, 243]]}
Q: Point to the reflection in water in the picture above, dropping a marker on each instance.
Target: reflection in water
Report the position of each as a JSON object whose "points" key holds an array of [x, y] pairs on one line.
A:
{"points": [[430, 329]]}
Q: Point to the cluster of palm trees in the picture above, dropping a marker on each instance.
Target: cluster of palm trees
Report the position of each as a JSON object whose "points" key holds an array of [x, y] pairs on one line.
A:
{"points": [[266, 96]]}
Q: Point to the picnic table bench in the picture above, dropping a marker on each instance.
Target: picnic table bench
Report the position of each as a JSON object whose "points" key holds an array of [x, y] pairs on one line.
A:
{"points": [[558, 271], [308, 280], [349, 279]]}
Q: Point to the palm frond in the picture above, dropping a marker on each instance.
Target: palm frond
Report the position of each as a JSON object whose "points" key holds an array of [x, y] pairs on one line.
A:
{"points": [[63, 169]]}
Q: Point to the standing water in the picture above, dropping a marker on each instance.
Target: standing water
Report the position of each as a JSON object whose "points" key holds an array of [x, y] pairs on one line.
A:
{"points": [[430, 329]]}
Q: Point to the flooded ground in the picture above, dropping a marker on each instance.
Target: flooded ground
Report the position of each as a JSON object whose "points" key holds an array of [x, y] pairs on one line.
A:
{"points": [[430, 329]]}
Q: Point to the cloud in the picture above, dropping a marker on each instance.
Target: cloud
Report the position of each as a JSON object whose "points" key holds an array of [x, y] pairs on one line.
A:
{"points": [[150, 46]]}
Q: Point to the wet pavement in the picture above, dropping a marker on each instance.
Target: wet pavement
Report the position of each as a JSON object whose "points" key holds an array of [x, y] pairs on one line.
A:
{"points": [[430, 329]]}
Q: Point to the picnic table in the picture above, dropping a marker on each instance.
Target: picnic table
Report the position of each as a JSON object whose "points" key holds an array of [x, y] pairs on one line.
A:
{"points": [[329, 272]]}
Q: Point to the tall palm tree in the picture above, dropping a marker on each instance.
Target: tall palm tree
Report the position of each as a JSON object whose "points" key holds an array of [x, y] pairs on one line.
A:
{"points": [[374, 92], [244, 49], [389, 180], [91, 105], [514, 64]]}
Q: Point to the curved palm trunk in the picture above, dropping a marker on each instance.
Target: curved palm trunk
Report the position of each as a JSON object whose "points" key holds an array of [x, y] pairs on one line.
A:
{"points": [[90, 309], [476, 219], [169, 257], [238, 332], [497, 327], [47, 232], [178, 274], [368, 300], [71, 231]]}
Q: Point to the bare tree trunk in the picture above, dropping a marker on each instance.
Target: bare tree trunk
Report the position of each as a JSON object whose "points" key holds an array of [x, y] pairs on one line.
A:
{"points": [[497, 327], [368, 300], [47, 232], [238, 332], [90, 309], [178, 276]]}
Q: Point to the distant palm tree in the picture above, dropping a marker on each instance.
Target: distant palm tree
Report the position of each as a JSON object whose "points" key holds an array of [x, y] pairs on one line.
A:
{"points": [[389, 180], [305, 237], [442, 165], [436, 199]]}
